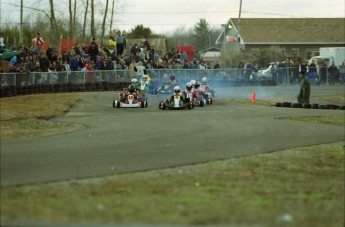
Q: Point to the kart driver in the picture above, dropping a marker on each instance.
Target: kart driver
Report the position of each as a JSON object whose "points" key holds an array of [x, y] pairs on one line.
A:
{"points": [[172, 80], [188, 93], [197, 91], [131, 91], [177, 91]]}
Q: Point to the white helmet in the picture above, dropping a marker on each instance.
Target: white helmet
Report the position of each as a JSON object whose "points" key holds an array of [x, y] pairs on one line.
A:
{"points": [[144, 78], [177, 89], [189, 86], [134, 81], [192, 82], [204, 79]]}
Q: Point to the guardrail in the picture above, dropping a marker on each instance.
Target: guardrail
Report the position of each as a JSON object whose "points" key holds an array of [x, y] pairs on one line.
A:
{"points": [[78, 81]]}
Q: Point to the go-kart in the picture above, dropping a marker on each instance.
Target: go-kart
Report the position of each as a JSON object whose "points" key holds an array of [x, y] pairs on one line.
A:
{"points": [[167, 88], [142, 92], [175, 104], [191, 97], [205, 94], [129, 101], [207, 90]]}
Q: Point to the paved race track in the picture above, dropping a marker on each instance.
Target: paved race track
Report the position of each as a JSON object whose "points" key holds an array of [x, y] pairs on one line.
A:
{"points": [[127, 140]]}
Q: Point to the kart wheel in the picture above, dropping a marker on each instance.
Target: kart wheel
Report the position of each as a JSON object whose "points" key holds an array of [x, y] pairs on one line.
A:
{"points": [[164, 106], [146, 104], [142, 104], [114, 104], [210, 101], [201, 103], [189, 106], [160, 106], [117, 103]]}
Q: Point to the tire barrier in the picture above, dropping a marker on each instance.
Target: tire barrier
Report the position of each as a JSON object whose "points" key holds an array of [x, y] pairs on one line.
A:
{"points": [[310, 106], [9, 91]]}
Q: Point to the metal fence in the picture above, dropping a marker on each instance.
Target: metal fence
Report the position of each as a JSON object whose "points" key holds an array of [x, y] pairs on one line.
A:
{"points": [[281, 76]]}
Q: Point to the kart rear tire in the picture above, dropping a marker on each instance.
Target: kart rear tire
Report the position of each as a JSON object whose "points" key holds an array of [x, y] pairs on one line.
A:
{"points": [[114, 104], [164, 106], [146, 103], [210, 101], [190, 106], [201, 103], [142, 104]]}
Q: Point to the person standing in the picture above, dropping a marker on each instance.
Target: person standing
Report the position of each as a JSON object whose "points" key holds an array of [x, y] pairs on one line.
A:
{"points": [[323, 73], [332, 72], [342, 73], [2, 43], [37, 43], [304, 92], [119, 43]]}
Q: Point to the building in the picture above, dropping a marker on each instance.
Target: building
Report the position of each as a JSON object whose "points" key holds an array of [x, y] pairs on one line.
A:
{"points": [[210, 55], [296, 37]]}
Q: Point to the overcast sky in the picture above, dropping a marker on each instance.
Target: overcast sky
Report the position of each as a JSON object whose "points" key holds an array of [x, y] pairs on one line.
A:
{"points": [[163, 16]]}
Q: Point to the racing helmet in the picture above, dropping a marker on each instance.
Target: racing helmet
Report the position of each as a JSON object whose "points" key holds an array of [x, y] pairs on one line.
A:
{"points": [[204, 80], [177, 89], [189, 86], [144, 78], [131, 88], [172, 76], [192, 82], [197, 84], [134, 81]]}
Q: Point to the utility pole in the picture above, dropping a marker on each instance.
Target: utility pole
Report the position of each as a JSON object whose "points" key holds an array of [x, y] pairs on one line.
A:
{"points": [[238, 28]]}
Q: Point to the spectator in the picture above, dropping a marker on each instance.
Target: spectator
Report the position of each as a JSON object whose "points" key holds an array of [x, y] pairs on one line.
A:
{"points": [[37, 43], [119, 43], [342, 73], [248, 70], [312, 69], [2, 43], [323, 72], [332, 72], [93, 50]]}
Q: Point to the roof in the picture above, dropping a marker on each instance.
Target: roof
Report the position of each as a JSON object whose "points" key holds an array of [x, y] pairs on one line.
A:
{"points": [[291, 30], [211, 49], [186, 48]]}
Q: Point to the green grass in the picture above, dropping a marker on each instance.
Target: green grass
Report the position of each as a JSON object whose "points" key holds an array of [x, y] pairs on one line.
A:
{"points": [[305, 183]]}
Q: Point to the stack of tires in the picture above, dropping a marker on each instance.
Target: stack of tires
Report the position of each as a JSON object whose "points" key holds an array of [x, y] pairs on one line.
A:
{"points": [[310, 106]]}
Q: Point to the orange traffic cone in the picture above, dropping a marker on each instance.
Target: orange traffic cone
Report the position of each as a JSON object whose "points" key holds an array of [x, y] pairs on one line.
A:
{"points": [[254, 96]]}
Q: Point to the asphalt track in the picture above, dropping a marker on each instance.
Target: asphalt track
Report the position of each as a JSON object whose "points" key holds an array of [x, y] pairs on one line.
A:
{"points": [[128, 140]]}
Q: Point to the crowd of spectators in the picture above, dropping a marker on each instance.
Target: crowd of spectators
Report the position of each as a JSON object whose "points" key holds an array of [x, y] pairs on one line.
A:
{"points": [[94, 57]]}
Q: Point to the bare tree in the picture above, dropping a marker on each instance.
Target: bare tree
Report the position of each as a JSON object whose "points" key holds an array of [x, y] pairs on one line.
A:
{"points": [[70, 19], [53, 25], [93, 30], [74, 15], [85, 16], [112, 17], [104, 20]]}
